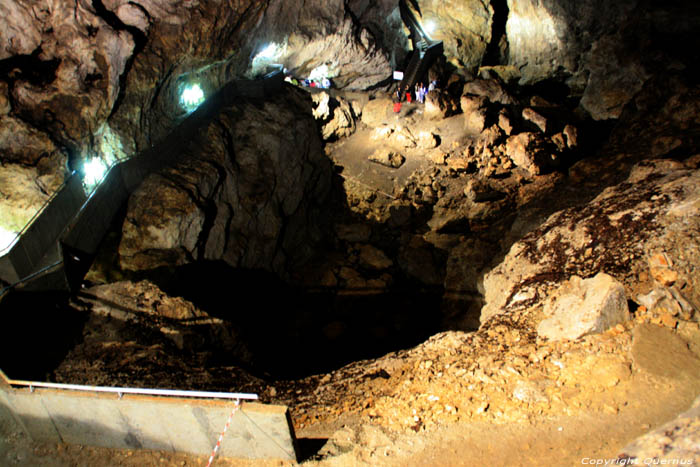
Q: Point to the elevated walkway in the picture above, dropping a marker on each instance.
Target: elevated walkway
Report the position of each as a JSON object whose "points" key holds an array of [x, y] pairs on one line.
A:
{"points": [[55, 249], [425, 49]]}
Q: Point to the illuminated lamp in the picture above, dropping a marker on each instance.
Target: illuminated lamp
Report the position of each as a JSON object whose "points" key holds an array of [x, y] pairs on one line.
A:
{"points": [[430, 27], [93, 170], [270, 51], [7, 239], [192, 96]]}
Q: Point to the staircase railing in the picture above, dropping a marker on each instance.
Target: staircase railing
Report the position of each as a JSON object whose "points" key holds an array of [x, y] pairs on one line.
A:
{"points": [[79, 220]]}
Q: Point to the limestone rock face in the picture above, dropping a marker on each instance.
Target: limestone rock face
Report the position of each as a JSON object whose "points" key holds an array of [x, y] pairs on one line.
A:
{"points": [[463, 26], [81, 58], [247, 194], [546, 36], [672, 440], [23, 190], [656, 208], [615, 77], [383, 19], [584, 306], [326, 41], [604, 51], [20, 143]]}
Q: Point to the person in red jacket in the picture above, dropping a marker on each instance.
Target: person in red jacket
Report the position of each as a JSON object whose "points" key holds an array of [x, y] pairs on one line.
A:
{"points": [[397, 102]]}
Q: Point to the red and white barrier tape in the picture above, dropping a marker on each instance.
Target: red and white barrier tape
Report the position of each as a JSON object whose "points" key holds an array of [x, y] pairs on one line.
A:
{"points": [[221, 437]]}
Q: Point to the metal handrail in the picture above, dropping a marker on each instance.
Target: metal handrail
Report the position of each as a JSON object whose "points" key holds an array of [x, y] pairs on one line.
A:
{"points": [[141, 391], [29, 277], [37, 214]]}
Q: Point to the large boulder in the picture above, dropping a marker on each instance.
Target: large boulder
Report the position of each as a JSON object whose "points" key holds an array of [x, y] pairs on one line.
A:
{"points": [[584, 306], [474, 110], [335, 115], [530, 151], [246, 193], [439, 105], [376, 112], [490, 89]]}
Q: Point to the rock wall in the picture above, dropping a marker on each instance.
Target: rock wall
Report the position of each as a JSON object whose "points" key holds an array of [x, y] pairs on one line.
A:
{"points": [[464, 27], [604, 51], [247, 193]]}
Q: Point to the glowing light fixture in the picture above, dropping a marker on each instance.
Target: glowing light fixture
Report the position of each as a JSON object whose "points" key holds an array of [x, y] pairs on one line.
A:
{"points": [[429, 27], [320, 72], [270, 51], [191, 97], [94, 170], [7, 238]]}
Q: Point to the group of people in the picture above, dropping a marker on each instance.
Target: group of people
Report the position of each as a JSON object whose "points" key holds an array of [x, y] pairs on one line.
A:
{"points": [[420, 91], [323, 83]]}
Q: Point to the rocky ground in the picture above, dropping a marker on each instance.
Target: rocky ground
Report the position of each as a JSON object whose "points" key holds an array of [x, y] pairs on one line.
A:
{"points": [[565, 272]]}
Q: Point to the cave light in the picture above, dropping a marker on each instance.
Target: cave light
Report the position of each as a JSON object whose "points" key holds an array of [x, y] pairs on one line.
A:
{"points": [[192, 96], [320, 72], [270, 52], [94, 169], [429, 27], [7, 238]]}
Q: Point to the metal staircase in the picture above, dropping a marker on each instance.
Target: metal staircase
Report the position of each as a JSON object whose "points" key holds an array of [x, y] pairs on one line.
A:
{"points": [[55, 250], [425, 49]]}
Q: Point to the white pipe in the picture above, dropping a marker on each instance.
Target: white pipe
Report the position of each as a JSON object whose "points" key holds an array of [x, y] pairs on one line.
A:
{"points": [[152, 392]]}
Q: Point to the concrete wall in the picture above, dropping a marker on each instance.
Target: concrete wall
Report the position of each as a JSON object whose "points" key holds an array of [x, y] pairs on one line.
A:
{"points": [[188, 425]]}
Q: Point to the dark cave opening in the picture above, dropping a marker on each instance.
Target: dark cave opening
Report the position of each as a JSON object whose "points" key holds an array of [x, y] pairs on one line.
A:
{"points": [[39, 328], [287, 332], [293, 332], [30, 68], [497, 49]]}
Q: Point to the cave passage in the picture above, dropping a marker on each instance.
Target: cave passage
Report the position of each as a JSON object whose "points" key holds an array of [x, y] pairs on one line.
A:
{"points": [[289, 332], [292, 333], [496, 49]]}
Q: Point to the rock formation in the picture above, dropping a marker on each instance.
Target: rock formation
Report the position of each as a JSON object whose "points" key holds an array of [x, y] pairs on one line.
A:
{"points": [[247, 193], [615, 233]]}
